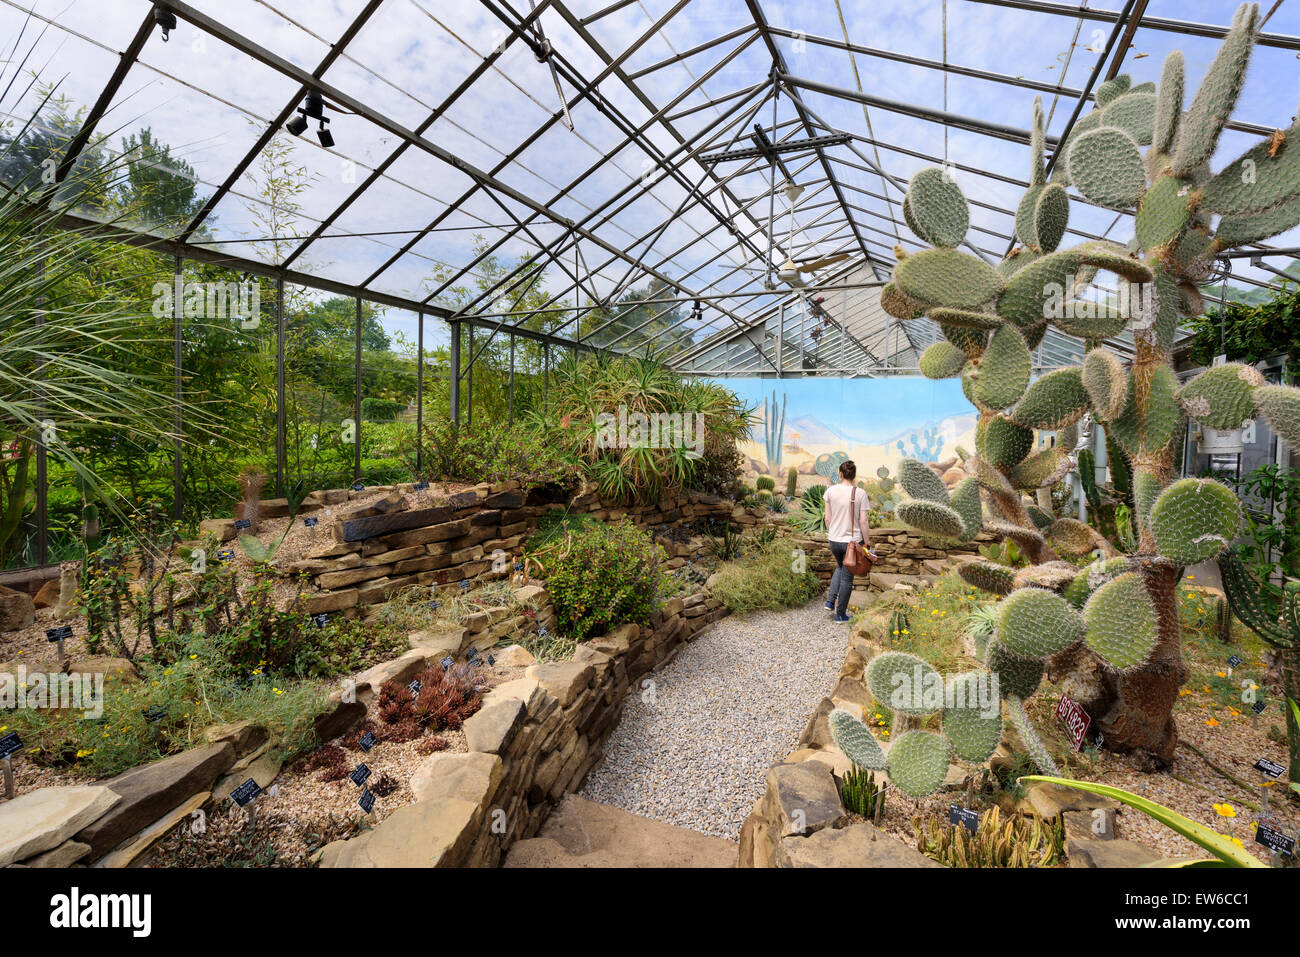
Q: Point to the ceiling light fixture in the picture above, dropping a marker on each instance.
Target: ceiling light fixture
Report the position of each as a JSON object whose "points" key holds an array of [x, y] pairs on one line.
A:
{"points": [[165, 19], [313, 108]]}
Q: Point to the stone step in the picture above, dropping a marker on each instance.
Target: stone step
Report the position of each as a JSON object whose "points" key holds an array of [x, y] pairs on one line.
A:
{"points": [[582, 833]]}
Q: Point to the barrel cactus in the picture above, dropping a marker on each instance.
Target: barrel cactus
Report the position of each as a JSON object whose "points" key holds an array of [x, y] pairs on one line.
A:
{"points": [[1140, 149]]}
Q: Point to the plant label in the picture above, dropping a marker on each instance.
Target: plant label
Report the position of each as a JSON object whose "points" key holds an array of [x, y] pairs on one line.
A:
{"points": [[358, 487], [541, 632], [472, 654], [367, 800], [245, 793], [415, 687], [1270, 768], [321, 619], [10, 744], [1234, 661], [519, 566], [225, 555], [964, 816], [1274, 839], [154, 713], [367, 742], [359, 776], [242, 523], [62, 633], [310, 521], [420, 487], [1258, 707], [491, 661], [464, 584], [447, 662], [1076, 720]]}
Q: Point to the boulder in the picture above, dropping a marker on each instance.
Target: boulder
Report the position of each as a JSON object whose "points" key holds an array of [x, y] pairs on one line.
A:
{"points": [[48, 596], [151, 790], [492, 728], [130, 850], [468, 777], [41, 820], [1049, 800], [246, 736], [564, 679], [858, 845], [515, 656], [426, 834], [17, 609], [802, 798]]}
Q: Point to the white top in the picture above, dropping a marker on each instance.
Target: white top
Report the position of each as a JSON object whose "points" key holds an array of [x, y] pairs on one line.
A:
{"points": [[839, 523]]}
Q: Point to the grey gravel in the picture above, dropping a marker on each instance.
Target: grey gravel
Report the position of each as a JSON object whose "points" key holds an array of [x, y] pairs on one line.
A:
{"points": [[693, 748]]}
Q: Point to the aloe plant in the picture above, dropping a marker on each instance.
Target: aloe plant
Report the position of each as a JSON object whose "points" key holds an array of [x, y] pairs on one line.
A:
{"points": [[1227, 853]]}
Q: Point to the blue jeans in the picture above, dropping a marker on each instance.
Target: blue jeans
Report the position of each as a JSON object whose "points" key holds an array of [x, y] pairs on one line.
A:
{"points": [[841, 580]]}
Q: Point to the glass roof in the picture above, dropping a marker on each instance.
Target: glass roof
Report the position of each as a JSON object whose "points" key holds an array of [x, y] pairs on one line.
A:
{"points": [[584, 135]]}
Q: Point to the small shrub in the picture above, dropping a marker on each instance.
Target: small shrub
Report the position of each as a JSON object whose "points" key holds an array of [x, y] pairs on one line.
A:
{"points": [[374, 409], [765, 579], [603, 576]]}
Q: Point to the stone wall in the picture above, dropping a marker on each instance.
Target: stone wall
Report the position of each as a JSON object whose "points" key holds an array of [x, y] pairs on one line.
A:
{"points": [[904, 555], [534, 740]]}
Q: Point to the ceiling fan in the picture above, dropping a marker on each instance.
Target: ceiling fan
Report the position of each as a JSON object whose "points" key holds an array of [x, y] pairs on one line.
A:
{"points": [[791, 272]]}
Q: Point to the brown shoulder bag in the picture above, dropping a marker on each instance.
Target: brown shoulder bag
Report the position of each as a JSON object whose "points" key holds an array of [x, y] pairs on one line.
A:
{"points": [[857, 559]]}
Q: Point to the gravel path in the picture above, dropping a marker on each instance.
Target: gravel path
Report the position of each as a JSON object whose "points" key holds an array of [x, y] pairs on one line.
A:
{"points": [[730, 705]]}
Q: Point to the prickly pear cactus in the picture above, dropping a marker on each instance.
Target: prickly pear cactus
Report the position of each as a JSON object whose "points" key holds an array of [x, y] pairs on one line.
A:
{"points": [[1141, 149]]}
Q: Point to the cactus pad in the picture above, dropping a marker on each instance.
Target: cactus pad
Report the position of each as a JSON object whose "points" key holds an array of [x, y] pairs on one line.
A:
{"points": [[918, 762], [1263, 178], [856, 740], [1041, 469], [1003, 443], [1106, 382], [1112, 88], [1195, 519], [1018, 676], [1069, 536], [966, 503], [965, 318], [1037, 623], [1280, 404], [1106, 167], [939, 212], [1200, 128], [1053, 401], [1121, 621], [946, 277], [1169, 103], [930, 517], [1134, 113], [988, 576], [921, 481], [968, 340], [1222, 397], [943, 360], [905, 684], [900, 305], [1004, 369], [972, 724], [1164, 213], [1239, 230]]}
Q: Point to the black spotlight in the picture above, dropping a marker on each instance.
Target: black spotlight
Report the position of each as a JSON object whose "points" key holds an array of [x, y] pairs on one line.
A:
{"points": [[165, 19], [297, 125], [315, 105], [324, 135]]}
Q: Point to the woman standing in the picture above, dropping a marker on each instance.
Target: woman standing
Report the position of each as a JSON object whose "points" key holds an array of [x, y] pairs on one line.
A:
{"points": [[846, 521]]}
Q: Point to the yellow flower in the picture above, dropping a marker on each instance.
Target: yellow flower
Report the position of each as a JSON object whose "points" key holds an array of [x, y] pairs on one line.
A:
{"points": [[1221, 674], [885, 733], [277, 691], [1183, 692], [1225, 810], [1191, 576], [906, 632], [194, 657], [1212, 722]]}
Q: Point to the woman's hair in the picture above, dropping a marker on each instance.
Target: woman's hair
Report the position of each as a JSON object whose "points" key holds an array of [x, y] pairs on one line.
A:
{"points": [[848, 470]]}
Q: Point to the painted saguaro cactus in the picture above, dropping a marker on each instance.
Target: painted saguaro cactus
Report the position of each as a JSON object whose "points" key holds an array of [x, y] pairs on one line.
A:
{"points": [[1125, 664]]}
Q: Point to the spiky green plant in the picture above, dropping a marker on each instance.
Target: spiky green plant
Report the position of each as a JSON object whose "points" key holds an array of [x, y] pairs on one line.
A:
{"points": [[995, 316], [791, 482], [773, 429]]}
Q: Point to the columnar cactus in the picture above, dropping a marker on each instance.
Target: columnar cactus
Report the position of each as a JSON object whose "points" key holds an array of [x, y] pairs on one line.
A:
{"points": [[1124, 661], [773, 430]]}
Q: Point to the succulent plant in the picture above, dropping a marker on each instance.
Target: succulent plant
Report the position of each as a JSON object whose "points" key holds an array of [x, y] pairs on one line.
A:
{"points": [[1137, 150]]}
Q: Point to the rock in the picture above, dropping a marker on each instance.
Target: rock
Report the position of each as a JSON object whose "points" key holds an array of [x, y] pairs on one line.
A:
{"points": [[852, 690], [439, 642], [532, 593], [65, 855], [836, 761], [401, 669], [246, 736], [17, 610], [817, 733], [426, 834], [802, 798], [516, 656], [153, 789], [492, 728], [130, 850], [328, 725], [1113, 853], [1095, 825], [264, 769], [1049, 800], [858, 845], [582, 833], [106, 665], [41, 820], [527, 690], [564, 679], [330, 601], [48, 596], [222, 528], [468, 777]]}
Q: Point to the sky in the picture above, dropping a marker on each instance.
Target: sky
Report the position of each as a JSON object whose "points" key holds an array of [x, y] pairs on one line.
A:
{"points": [[211, 102]]}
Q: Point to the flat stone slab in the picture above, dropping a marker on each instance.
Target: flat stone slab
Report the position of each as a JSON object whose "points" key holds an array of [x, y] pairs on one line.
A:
{"points": [[470, 777], [1050, 800], [858, 845], [426, 834], [582, 833], [493, 726], [1112, 853], [39, 821]]}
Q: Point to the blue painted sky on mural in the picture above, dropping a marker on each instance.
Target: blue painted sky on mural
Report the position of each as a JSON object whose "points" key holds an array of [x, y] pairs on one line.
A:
{"points": [[861, 411]]}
